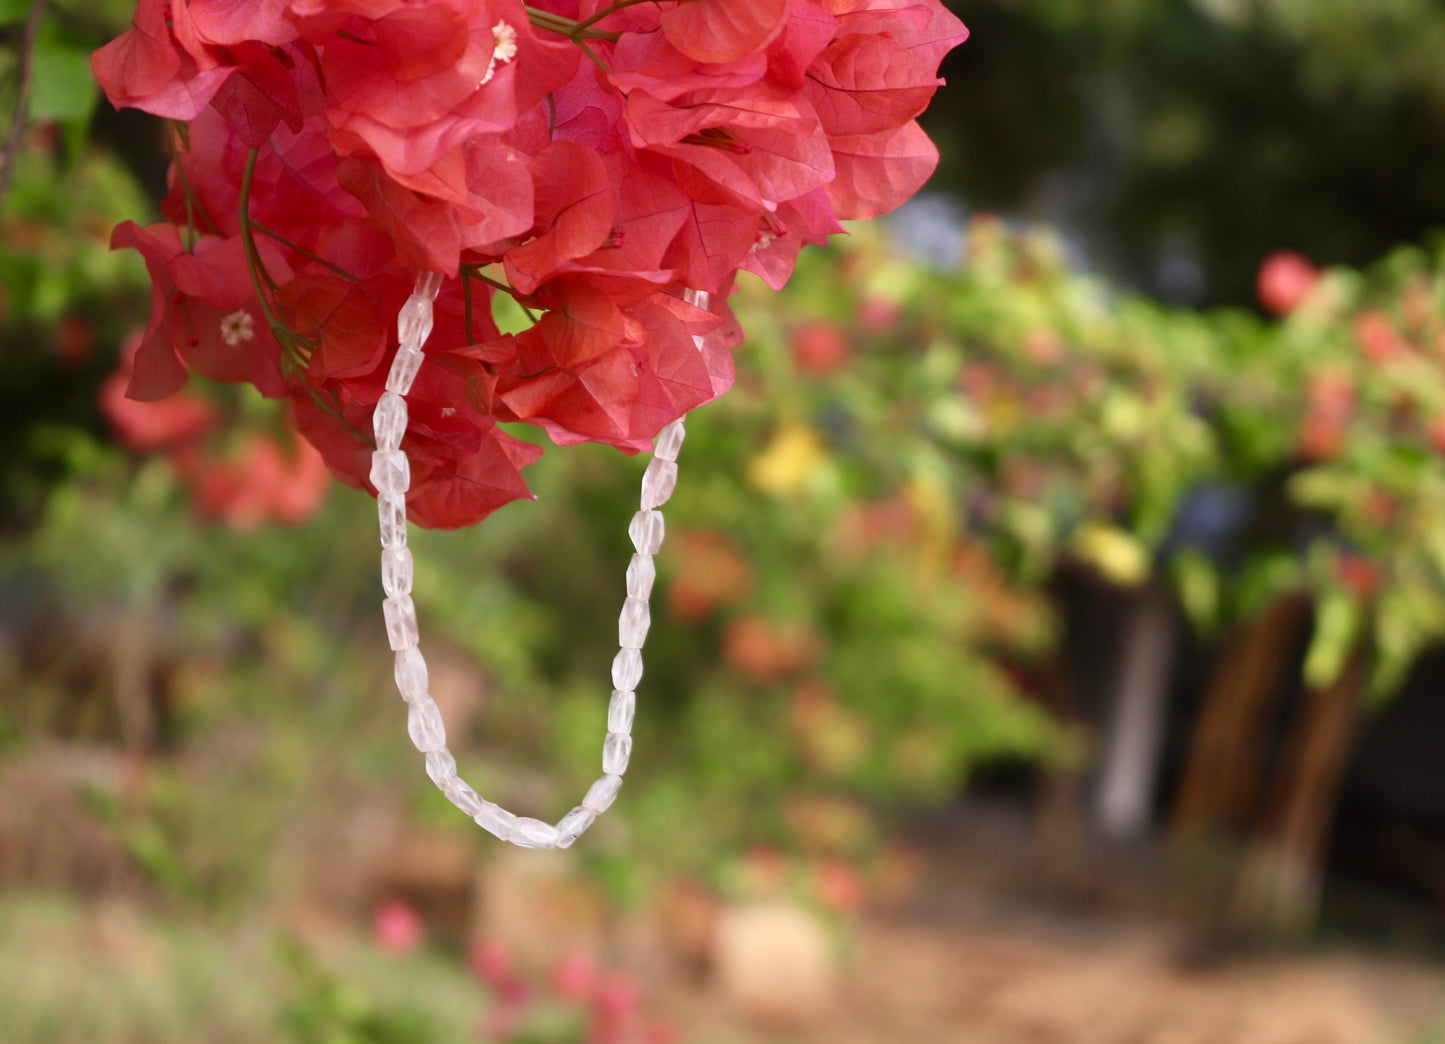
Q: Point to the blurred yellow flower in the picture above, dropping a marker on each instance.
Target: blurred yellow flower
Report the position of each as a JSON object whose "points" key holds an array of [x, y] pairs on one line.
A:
{"points": [[788, 461], [1118, 555]]}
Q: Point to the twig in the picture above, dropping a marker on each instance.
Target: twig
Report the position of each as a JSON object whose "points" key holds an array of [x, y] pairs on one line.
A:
{"points": [[22, 97]]}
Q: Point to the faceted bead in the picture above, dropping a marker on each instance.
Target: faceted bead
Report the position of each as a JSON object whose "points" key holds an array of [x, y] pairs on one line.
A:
{"points": [[497, 821], [401, 629], [390, 471], [602, 793], [632, 625], [429, 283], [646, 531], [411, 674], [620, 711], [389, 421], [424, 725], [414, 323], [533, 833], [616, 751], [441, 767], [658, 482], [571, 826], [396, 571], [626, 669], [403, 370], [391, 509], [460, 793], [669, 441], [641, 572]]}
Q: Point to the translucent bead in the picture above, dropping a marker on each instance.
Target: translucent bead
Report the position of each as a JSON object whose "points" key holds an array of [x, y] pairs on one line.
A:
{"points": [[389, 421], [641, 572], [391, 509], [602, 793], [460, 793], [533, 833], [626, 669], [401, 629], [411, 674], [658, 482], [390, 471], [571, 826], [497, 821], [646, 532], [620, 711], [669, 441], [616, 752], [396, 571], [403, 370], [632, 625], [414, 322], [441, 767], [428, 284], [424, 725]]}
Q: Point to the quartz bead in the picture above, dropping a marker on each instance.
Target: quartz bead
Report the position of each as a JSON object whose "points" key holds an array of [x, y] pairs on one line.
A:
{"points": [[602, 793], [641, 572], [414, 322], [533, 833], [616, 751], [391, 510], [390, 471], [571, 826], [646, 532], [658, 482], [626, 669], [460, 793], [403, 372], [424, 725], [669, 441], [401, 628], [620, 711], [396, 571], [497, 821], [389, 421], [411, 674], [441, 767], [632, 625], [428, 284]]}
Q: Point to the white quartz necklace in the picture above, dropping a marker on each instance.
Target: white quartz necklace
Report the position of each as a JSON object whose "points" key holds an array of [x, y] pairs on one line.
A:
{"points": [[391, 475]]}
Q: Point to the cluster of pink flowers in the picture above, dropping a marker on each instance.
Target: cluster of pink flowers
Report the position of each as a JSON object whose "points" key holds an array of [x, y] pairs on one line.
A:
{"points": [[590, 159]]}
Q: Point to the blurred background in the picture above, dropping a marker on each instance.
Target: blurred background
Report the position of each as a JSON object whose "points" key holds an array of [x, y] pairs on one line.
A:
{"points": [[1047, 645]]}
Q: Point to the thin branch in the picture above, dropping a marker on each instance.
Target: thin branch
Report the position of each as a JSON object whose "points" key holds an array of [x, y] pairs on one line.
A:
{"points": [[22, 97]]}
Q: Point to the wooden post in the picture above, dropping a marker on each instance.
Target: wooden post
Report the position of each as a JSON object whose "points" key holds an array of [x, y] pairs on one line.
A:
{"points": [[1278, 891]]}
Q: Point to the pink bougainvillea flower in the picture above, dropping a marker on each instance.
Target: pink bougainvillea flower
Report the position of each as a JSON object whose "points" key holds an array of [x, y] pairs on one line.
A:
{"points": [[397, 928], [594, 161], [1285, 280], [147, 426], [203, 316], [261, 483]]}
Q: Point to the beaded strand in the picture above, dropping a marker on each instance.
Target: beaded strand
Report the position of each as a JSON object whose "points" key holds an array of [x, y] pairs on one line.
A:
{"points": [[391, 475]]}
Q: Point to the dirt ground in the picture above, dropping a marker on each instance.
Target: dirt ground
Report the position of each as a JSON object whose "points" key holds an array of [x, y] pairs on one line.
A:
{"points": [[971, 960]]}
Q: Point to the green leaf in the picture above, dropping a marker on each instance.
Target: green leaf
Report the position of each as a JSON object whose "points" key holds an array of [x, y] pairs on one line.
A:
{"points": [[61, 87], [1337, 622]]}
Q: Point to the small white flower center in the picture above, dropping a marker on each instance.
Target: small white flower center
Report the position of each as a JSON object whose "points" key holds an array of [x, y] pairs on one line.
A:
{"points": [[504, 49], [237, 327]]}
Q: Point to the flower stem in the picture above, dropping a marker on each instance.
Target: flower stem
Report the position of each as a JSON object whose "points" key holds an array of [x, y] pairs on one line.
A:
{"points": [[343, 273], [573, 30], [289, 340]]}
